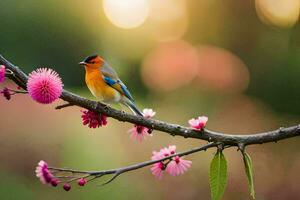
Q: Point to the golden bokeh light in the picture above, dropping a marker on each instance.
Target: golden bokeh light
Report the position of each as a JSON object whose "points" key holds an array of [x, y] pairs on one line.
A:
{"points": [[126, 14], [170, 65], [221, 70], [172, 21], [280, 13], [168, 10]]}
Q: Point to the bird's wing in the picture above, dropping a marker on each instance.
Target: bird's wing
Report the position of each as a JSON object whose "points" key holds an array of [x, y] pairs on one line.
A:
{"points": [[108, 71], [118, 85]]}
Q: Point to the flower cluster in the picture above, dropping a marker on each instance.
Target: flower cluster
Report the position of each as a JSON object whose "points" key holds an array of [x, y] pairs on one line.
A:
{"points": [[198, 123], [44, 85], [46, 176], [92, 119], [138, 132], [174, 166], [2, 73]]}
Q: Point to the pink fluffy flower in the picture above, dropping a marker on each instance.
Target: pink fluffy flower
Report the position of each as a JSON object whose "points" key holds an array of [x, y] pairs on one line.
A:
{"points": [[43, 173], [2, 73], [138, 132], [178, 166], [44, 85], [198, 123], [92, 119]]}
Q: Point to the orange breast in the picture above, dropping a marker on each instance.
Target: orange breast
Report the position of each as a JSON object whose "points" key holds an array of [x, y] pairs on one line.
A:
{"points": [[99, 88]]}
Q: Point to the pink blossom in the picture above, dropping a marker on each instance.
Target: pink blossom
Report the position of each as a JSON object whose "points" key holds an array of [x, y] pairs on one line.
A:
{"points": [[48, 177], [148, 113], [43, 173], [164, 152], [198, 123], [92, 119], [44, 85], [174, 166], [157, 169], [138, 132], [178, 166], [156, 155], [2, 73]]}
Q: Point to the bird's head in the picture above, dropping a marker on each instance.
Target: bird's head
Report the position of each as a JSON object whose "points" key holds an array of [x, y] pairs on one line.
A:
{"points": [[92, 62]]}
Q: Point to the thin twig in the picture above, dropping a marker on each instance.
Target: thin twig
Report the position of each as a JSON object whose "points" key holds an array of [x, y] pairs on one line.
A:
{"points": [[63, 106], [117, 172]]}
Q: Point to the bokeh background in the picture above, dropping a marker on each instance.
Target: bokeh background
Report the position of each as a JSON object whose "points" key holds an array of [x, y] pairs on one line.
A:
{"points": [[238, 62]]}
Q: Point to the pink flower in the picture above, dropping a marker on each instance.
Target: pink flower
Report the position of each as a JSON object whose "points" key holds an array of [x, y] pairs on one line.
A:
{"points": [[178, 166], [164, 152], [148, 113], [198, 123], [43, 173], [92, 119], [175, 166], [44, 85], [138, 132], [157, 169], [48, 177], [2, 73]]}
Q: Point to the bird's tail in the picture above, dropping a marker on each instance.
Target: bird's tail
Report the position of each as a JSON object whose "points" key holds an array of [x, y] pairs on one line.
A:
{"points": [[133, 108]]}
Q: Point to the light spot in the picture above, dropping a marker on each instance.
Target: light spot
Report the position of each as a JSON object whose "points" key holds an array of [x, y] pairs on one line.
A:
{"points": [[126, 13]]}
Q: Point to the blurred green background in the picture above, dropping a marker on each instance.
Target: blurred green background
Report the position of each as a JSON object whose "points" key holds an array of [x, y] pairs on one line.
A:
{"points": [[234, 61]]}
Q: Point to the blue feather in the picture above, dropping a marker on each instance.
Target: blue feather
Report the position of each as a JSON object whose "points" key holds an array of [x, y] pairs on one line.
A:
{"points": [[111, 82]]}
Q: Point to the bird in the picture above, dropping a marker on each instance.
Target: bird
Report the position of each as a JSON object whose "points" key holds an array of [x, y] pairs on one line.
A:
{"points": [[104, 83]]}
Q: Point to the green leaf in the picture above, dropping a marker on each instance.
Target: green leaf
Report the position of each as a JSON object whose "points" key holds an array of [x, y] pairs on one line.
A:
{"points": [[249, 173], [218, 176]]}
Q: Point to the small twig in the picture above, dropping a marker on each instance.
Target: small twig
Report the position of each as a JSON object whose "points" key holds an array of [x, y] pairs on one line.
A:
{"points": [[64, 106], [117, 172], [18, 91]]}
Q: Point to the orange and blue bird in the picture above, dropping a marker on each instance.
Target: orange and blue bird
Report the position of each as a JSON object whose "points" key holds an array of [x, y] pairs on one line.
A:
{"points": [[104, 83]]}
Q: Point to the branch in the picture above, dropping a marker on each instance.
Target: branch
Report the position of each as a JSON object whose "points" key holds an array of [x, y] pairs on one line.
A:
{"points": [[117, 172], [20, 78]]}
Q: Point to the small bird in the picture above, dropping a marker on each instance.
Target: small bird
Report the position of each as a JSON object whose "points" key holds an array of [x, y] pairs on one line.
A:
{"points": [[104, 83]]}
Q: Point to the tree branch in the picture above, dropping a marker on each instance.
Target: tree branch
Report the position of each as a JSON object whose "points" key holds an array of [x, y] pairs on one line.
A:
{"points": [[20, 78], [117, 172]]}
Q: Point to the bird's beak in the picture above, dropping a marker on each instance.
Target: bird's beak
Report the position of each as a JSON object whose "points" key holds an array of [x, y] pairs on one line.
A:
{"points": [[82, 63]]}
